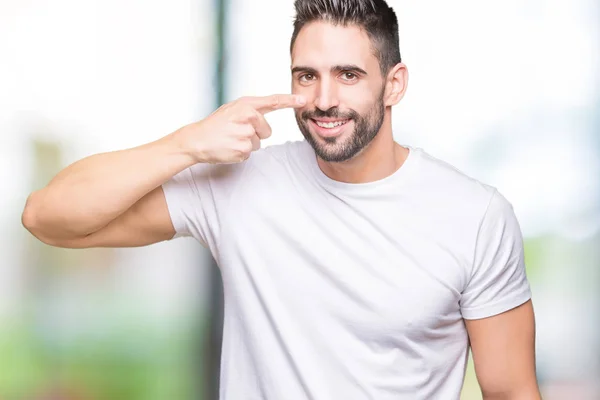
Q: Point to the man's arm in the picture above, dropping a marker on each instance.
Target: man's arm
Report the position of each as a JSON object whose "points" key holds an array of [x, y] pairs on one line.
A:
{"points": [[108, 199], [503, 348], [115, 199]]}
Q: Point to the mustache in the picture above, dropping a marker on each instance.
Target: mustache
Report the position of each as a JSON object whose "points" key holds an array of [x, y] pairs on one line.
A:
{"points": [[333, 112]]}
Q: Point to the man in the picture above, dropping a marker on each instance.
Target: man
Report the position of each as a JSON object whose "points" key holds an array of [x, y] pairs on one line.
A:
{"points": [[353, 267]]}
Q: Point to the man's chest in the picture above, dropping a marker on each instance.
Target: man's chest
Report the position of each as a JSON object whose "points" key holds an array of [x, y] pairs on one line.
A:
{"points": [[364, 265]]}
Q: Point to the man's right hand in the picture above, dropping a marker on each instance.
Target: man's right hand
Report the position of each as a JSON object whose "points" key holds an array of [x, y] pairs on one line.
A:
{"points": [[235, 129]]}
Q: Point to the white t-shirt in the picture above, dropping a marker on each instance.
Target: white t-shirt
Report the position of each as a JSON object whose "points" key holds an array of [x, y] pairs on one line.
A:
{"points": [[349, 291]]}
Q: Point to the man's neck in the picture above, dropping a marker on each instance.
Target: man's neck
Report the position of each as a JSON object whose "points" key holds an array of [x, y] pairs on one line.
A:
{"points": [[380, 159]]}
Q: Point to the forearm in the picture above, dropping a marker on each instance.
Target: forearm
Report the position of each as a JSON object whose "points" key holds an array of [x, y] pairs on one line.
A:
{"points": [[92, 192]]}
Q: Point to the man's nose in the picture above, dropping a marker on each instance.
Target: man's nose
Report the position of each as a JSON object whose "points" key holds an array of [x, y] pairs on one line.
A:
{"points": [[326, 96]]}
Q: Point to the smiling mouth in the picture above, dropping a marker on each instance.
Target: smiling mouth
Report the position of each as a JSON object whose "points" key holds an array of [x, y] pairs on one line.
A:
{"points": [[330, 124]]}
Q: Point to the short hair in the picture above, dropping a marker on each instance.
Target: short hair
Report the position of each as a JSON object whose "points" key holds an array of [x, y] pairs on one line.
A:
{"points": [[374, 16]]}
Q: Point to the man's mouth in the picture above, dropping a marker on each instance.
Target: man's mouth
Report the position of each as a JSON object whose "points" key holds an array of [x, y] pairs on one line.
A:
{"points": [[330, 124], [329, 128]]}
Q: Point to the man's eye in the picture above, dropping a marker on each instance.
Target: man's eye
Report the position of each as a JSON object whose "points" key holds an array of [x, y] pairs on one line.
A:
{"points": [[349, 76], [307, 77]]}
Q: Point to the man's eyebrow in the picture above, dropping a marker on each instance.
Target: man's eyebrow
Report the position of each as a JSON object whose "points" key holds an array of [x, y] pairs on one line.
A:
{"points": [[348, 68], [302, 68], [335, 68]]}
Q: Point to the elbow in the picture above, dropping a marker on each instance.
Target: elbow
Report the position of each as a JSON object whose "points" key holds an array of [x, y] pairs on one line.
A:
{"points": [[47, 228], [31, 219]]}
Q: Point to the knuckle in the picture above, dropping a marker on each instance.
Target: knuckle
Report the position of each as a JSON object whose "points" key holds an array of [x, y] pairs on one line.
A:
{"points": [[238, 155], [246, 112], [244, 147], [248, 147], [248, 131], [242, 114], [252, 115]]}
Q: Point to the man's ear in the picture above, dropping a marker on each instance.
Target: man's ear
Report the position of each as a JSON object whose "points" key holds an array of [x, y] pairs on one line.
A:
{"points": [[396, 83]]}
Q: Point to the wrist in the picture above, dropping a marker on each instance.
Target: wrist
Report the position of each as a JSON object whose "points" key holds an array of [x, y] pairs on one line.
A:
{"points": [[182, 143]]}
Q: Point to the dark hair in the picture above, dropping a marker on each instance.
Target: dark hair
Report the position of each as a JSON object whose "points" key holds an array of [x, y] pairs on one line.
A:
{"points": [[374, 16]]}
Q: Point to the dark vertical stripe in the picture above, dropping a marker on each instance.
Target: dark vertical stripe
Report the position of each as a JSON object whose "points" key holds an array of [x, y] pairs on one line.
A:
{"points": [[215, 287]]}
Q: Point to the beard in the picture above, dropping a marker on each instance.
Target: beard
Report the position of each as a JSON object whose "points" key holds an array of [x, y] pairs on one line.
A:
{"points": [[343, 147]]}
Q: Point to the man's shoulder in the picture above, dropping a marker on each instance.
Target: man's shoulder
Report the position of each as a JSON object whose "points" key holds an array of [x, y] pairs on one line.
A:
{"points": [[450, 194]]}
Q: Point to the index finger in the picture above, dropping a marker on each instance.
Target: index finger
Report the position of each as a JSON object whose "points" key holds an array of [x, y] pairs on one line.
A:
{"points": [[274, 102]]}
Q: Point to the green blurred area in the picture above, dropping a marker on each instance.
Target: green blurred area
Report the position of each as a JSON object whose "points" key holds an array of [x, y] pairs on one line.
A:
{"points": [[126, 364]]}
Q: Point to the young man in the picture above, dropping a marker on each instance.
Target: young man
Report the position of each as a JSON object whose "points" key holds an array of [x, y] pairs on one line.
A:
{"points": [[353, 267]]}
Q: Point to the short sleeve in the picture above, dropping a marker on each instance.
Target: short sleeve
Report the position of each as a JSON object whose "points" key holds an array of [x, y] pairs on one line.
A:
{"points": [[498, 281], [197, 198]]}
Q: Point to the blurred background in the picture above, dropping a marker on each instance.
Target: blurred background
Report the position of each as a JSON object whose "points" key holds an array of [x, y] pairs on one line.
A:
{"points": [[508, 92]]}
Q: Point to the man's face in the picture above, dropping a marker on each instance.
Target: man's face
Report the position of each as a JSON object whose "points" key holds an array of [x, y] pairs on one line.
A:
{"points": [[335, 69]]}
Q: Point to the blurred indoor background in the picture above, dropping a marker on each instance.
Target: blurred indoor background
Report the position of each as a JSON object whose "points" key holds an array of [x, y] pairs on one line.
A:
{"points": [[508, 92]]}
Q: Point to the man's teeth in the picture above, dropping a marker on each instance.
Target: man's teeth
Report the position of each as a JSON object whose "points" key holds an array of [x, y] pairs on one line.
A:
{"points": [[330, 124]]}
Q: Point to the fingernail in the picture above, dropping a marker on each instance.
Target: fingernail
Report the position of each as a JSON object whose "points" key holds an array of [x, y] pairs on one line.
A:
{"points": [[300, 99]]}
